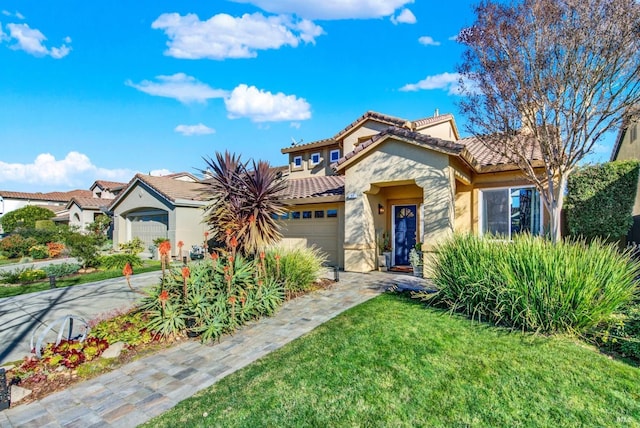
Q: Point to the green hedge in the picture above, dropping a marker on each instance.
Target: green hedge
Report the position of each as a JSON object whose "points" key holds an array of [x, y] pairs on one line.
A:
{"points": [[600, 200]]}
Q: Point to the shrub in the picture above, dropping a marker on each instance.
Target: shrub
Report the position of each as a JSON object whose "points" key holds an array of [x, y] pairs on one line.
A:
{"points": [[55, 249], [621, 334], [84, 247], [600, 199], [31, 275], [129, 328], [44, 224], [211, 297], [533, 284], [61, 269], [39, 252], [24, 217], [135, 246], [297, 269], [16, 246], [118, 261]]}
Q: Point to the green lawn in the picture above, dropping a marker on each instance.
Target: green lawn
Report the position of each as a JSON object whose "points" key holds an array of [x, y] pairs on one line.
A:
{"points": [[394, 362], [15, 290]]}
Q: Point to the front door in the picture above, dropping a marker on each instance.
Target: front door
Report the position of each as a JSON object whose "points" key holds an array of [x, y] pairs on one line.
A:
{"points": [[404, 230]]}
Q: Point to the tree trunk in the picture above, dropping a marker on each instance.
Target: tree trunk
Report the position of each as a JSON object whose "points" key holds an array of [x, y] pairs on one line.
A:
{"points": [[555, 214]]}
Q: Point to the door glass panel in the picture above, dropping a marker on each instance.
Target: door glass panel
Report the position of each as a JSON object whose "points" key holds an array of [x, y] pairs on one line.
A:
{"points": [[495, 209], [405, 223]]}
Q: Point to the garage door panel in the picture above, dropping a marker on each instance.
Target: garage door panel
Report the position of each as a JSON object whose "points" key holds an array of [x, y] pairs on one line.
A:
{"points": [[320, 233], [149, 227]]}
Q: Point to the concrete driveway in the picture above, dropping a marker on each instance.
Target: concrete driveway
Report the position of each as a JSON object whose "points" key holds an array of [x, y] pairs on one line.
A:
{"points": [[21, 315]]}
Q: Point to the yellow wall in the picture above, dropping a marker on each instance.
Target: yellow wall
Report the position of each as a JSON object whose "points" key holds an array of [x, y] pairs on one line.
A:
{"points": [[308, 170]]}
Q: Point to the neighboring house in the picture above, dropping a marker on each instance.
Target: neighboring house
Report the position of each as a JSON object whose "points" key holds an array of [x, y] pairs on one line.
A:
{"points": [[83, 211], [55, 201], [103, 189], [416, 180], [627, 147], [154, 207]]}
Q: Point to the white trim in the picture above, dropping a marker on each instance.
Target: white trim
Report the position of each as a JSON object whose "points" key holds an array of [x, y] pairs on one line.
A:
{"points": [[331, 159], [481, 231], [294, 162], [312, 162]]}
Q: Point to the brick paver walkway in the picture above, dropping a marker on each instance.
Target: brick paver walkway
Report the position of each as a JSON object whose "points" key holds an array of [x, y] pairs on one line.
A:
{"points": [[143, 389]]}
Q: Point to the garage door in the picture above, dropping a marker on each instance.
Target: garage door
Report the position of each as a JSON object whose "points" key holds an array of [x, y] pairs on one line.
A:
{"points": [[149, 226], [319, 228]]}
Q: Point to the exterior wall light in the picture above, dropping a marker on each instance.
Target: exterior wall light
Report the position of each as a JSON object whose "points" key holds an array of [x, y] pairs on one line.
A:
{"points": [[380, 209]]}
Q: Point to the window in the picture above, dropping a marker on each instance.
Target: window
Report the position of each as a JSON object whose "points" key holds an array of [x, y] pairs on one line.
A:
{"points": [[315, 158], [508, 212], [332, 213], [284, 216], [334, 155], [306, 214], [295, 215], [297, 162], [319, 214]]}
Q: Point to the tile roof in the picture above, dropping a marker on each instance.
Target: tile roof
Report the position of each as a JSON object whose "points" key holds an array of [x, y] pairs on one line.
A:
{"points": [[110, 185], [314, 187], [438, 144], [51, 196], [174, 189], [86, 203], [55, 208], [482, 156], [433, 120], [311, 145]]}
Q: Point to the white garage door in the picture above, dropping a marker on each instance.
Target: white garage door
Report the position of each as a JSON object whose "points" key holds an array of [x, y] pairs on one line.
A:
{"points": [[319, 228], [149, 226]]}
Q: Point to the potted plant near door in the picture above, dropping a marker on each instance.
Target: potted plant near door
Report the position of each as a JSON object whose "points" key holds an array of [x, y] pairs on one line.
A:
{"points": [[416, 260], [384, 246]]}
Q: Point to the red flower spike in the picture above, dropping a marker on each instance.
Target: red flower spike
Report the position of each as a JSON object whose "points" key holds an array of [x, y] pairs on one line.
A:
{"points": [[164, 247], [252, 219], [230, 259], [164, 296], [206, 234], [180, 244], [214, 256], [261, 255], [186, 272], [233, 242], [232, 299], [128, 270]]}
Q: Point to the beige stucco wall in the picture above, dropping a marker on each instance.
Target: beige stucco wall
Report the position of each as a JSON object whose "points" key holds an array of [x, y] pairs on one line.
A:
{"points": [[307, 170], [395, 162], [366, 129], [441, 130], [85, 217]]}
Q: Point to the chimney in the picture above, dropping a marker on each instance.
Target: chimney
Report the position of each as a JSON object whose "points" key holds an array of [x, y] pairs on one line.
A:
{"points": [[436, 113]]}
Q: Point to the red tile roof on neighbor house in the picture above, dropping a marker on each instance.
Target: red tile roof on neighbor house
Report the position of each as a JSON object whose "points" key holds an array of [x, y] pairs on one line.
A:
{"points": [[88, 203], [109, 185], [49, 197], [170, 188], [314, 187]]}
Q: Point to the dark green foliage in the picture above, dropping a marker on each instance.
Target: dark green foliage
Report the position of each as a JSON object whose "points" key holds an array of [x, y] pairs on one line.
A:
{"points": [[600, 200], [118, 261], [296, 268], [44, 236], [134, 247], [533, 284], [243, 202], [84, 247], [61, 269], [16, 246], [24, 217], [621, 335]]}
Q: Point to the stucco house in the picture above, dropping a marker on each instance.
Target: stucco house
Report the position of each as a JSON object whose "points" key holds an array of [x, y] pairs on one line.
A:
{"points": [[415, 180], [154, 207], [627, 147]]}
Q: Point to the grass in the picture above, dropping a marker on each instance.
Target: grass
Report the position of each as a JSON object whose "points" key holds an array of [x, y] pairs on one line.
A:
{"points": [[15, 290], [394, 362]]}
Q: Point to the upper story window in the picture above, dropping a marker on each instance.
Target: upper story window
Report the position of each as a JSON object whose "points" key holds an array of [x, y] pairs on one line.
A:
{"points": [[334, 155], [297, 162], [315, 158], [509, 212]]}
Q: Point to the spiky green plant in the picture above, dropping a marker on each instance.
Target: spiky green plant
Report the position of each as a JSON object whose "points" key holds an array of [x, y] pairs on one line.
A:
{"points": [[534, 284], [243, 202]]}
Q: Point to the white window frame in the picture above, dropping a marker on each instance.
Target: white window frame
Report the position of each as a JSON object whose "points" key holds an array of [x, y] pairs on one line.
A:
{"points": [[295, 161], [331, 155], [509, 189], [313, 161]]}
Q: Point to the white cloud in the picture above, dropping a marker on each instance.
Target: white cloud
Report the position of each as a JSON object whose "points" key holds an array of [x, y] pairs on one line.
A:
{"points": [[190, 130], [453, 38], [331, 9], [13, 15], [224, 36], [428, 41], [76, 169], [263, 106], [404, 17], [179, 86], [31, 41], [445, 81], [295, 125]]}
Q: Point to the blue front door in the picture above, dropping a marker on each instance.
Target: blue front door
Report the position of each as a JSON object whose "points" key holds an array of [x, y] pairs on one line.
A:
{"points": [[404, 222]]}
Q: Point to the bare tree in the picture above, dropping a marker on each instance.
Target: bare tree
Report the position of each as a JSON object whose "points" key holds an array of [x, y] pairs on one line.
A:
{"points": [[550, 78]]}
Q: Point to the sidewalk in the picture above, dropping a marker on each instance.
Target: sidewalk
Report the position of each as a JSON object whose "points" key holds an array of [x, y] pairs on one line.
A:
{"points": [[143, 389]]}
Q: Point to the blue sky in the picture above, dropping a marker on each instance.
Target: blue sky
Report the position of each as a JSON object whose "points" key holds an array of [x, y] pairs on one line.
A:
{"points": [[102, 90]]}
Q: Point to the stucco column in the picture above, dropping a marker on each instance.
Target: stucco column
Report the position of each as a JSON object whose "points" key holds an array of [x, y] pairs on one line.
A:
{"points": [[359, 240], [438, 214]]}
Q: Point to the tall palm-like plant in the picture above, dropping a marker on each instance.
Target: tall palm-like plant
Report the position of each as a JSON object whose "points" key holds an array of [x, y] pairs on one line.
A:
{"points": [[243, 202]]}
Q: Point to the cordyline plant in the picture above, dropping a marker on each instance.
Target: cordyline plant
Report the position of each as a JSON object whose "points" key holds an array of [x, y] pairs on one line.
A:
{"points": [[243, 202], [550, 77]]}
